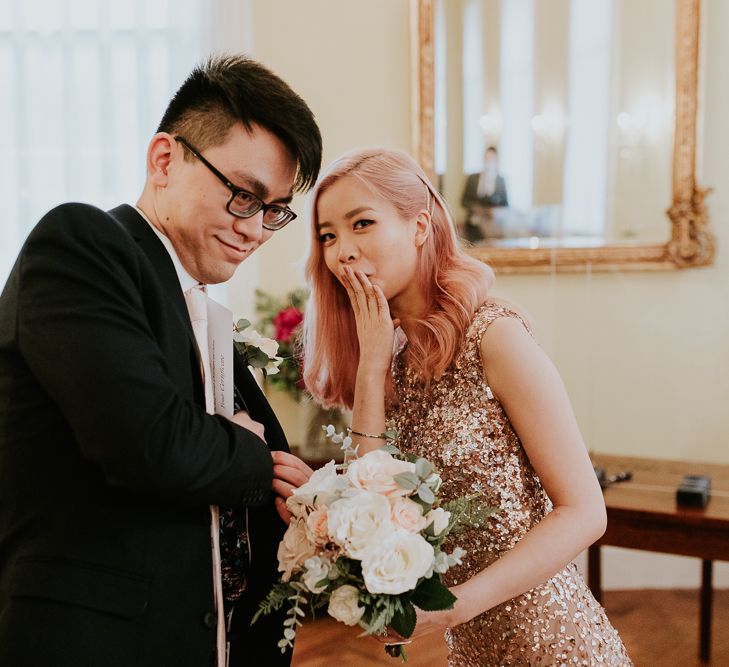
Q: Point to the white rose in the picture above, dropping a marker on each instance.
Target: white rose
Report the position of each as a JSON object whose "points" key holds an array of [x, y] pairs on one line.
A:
{"points": [[408, 515], [317, 568], [359, 521], [397, 564], [294, 548], [375, 471], [344, 605], [439, 518], [324, 485]]}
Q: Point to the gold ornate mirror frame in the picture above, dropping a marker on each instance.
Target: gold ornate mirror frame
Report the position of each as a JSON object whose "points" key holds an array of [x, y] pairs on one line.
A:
{"points": [[691, 241]]}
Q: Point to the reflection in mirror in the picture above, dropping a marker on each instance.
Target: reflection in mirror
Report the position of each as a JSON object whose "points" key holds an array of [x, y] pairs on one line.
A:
{"points": [[554, 121]]}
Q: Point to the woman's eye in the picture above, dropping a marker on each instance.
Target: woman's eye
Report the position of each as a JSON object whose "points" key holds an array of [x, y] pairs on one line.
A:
{"points": [[360, 224], [328, 236]]}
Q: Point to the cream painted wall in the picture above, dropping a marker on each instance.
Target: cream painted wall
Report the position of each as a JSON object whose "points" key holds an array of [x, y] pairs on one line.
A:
{"points": [[351, 62], [645, 356]]}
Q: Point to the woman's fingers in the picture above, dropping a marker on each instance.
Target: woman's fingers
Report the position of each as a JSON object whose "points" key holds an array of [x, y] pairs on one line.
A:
{"points": [[366, 292], [347, 282], [356, 291], [382, 305]]}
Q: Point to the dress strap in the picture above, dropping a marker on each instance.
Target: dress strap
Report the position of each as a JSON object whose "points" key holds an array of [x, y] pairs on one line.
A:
{"points": [[489, 312]]}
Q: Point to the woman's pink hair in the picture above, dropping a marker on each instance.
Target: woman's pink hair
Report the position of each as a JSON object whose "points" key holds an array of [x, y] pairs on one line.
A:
{"points": [[455, 284]]}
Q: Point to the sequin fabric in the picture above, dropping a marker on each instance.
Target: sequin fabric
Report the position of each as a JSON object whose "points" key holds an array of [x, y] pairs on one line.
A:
{"points": [[458, 425]]}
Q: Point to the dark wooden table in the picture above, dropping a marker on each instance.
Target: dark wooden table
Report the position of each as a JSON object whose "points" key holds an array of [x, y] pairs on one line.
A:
{"points": [[643, 514]]}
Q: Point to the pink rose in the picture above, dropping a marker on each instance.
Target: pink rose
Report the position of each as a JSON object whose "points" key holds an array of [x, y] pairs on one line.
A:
{"points": [[286, 322]]}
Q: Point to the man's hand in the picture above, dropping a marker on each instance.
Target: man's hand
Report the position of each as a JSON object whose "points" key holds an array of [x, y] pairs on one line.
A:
{"points": [[289, 473], [243, 419]]}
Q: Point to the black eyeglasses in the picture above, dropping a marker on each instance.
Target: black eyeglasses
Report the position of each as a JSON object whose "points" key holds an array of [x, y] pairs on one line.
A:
{"points": [[244, 204]]}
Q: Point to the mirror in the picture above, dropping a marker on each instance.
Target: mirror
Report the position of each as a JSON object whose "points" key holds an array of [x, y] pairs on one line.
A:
{"points": [[535, 187]]}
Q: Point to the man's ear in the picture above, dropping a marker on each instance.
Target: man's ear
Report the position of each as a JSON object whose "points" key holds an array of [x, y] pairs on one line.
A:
{"points": [[422, 228], [159, 156]]}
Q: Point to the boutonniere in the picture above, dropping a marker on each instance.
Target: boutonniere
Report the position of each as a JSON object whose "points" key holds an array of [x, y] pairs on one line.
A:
{"points": [[259, 352]]}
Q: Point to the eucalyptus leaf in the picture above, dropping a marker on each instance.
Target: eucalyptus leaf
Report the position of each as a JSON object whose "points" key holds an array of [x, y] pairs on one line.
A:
{"points": [[423, 468], [425, 494], [242, 324], [407, 480]]}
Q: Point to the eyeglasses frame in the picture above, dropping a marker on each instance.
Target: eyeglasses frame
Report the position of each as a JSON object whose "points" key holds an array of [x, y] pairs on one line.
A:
{"points": [[235, 191]]}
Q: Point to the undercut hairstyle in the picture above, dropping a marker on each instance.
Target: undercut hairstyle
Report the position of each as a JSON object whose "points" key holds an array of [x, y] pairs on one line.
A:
{"points": [[230, 89], [455, 285]]}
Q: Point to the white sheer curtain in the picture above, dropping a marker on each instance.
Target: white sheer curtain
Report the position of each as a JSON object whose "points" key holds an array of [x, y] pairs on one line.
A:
{"points": [[84, 84], [517, 100], [590, 71], [474, 76], [440, 73]]}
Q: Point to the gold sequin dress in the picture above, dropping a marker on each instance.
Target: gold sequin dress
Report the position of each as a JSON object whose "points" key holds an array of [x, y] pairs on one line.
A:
{"points": [[462, 429]]}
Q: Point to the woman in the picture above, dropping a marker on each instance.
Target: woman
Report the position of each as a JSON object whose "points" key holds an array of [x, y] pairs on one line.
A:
{"points": [[471, 391]]}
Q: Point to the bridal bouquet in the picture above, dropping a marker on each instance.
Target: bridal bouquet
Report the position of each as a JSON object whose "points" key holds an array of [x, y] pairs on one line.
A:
{"points": [[365, 541]]}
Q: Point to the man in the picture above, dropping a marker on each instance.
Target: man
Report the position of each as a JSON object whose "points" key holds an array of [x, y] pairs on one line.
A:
{"points": [[110, 463], [483, 192]]}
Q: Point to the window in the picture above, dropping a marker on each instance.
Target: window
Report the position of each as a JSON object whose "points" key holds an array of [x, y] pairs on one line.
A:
{"points": [[84, 84]]}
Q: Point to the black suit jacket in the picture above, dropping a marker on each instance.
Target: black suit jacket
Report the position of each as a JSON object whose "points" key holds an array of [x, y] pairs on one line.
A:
{"points": [[471, 197], [108, 461]]}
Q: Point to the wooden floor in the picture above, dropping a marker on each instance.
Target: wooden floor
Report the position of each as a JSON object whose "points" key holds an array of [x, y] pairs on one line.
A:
{"points": [[659, 628]]}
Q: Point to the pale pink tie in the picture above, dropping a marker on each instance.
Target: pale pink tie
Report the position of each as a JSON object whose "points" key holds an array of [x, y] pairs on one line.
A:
{"points": [[197, 305], [196, 299]]}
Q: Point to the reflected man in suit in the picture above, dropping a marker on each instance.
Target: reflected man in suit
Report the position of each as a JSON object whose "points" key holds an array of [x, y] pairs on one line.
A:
{"points": [[112, 469], [483, 192]]}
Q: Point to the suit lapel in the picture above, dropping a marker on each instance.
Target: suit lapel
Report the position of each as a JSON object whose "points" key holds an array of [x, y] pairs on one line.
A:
{"points": [[258, 406], [157, 254]]}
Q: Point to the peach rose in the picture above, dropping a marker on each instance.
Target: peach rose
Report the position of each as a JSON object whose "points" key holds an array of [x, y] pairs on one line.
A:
{"points": [[294, 548], [316, 524]]}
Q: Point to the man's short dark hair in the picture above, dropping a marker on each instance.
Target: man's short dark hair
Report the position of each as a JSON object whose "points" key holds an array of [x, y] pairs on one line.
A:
{"points": [[229, 89]]}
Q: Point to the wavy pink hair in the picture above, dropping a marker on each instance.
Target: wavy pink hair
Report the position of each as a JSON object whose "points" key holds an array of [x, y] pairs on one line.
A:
{"points": [[455, 284]]}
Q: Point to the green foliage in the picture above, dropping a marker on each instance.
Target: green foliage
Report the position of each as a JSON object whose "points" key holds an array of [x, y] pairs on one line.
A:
{"points": [[425, 494], [274, 600], [257, 358], [407, 480], [433, 595], [423, 468], [403, 621], [467, 512]]}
